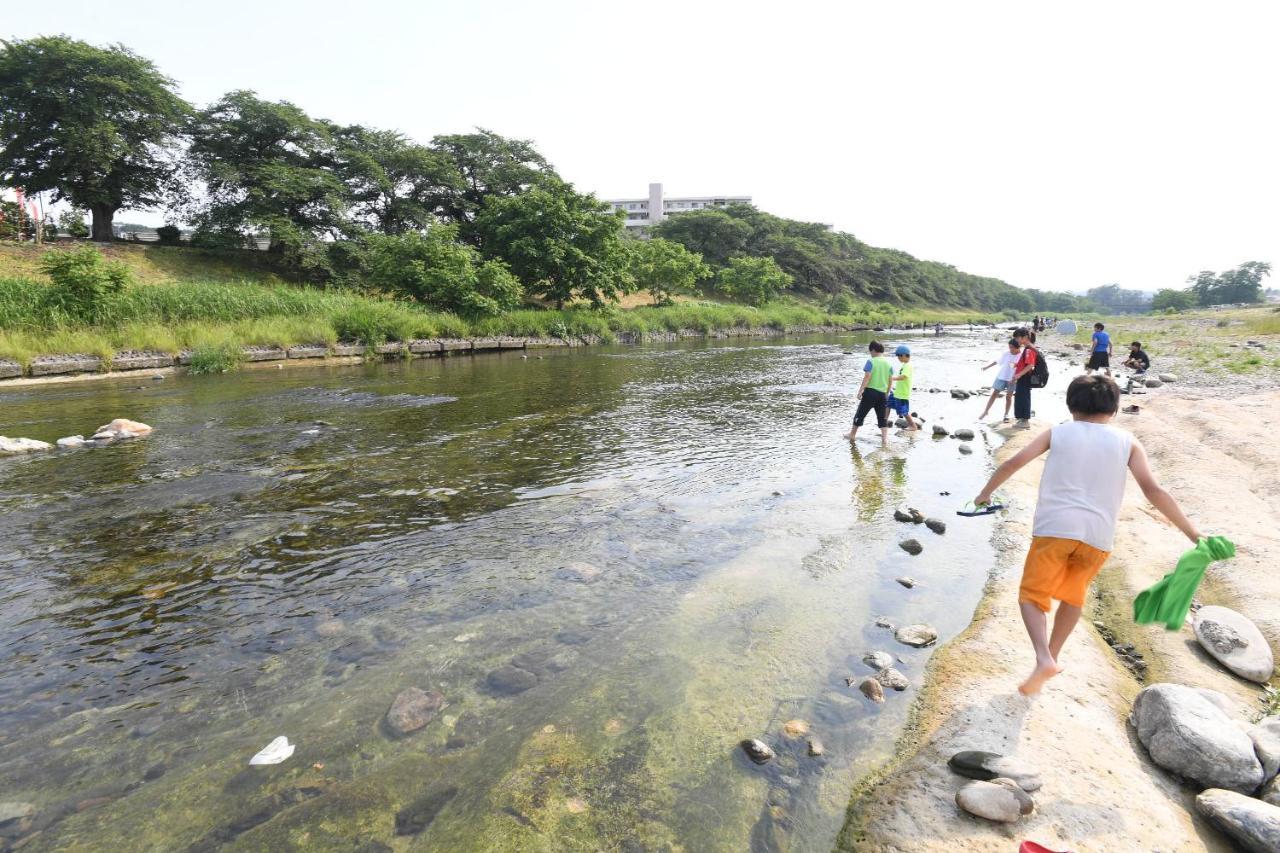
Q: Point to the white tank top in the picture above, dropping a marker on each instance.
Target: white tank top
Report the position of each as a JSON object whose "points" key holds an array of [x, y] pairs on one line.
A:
{"points": [[1083, 483]]}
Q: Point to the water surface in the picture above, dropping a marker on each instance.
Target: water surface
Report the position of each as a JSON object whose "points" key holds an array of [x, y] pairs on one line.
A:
{"points": [[663, 549]]}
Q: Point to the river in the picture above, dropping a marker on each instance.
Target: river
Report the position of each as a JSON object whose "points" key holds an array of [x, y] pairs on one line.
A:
{"points": [[613, 563]]}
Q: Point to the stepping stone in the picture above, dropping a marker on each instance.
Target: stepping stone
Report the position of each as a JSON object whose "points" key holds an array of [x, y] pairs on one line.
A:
{"points": [[872, 689], [1187, 734], [878, 660], [891, 678], [936, 525], [963, 434], [999, 800], [911, 546], [1235, 642], [916, 635]]}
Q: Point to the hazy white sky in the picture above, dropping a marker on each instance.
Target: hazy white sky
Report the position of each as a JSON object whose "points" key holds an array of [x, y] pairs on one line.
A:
{"points": [[1055, 145]]}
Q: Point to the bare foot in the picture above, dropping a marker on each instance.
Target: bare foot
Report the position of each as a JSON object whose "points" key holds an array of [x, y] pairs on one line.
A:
{"points": [[1042, 673]]}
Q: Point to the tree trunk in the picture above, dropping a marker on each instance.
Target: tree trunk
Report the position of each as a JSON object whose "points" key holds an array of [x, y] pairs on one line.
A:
{"points": [[102, 216]]}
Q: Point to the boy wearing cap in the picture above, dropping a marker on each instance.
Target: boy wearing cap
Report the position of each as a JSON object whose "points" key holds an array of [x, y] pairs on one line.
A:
{"points": [[900, 389]]}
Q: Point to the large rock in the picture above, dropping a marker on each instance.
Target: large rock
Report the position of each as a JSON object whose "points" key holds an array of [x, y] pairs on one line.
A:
{"points": [[985, 766], [1266, 745], [916, 635], [1253, 824], [1271, 792], [9, 446], [999, 800], [911, 546], [412, 709], [1188, 734], [1235, 642], [121, 428]]}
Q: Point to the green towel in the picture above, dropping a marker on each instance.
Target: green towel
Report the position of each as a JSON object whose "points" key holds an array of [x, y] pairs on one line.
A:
{"points": [[1170, 598]]}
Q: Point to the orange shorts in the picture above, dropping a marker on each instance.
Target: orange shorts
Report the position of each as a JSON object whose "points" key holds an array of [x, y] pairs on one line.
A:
{"points": [[1059, 568]]}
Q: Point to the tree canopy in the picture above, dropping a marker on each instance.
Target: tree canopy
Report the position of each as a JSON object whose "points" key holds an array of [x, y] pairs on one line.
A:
{"points": [[1114, 299], [664, 268], [94, 125], [1242, 284]]}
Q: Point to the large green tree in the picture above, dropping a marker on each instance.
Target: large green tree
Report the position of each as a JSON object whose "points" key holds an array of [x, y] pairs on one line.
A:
{"points": [[754, 281], [489, 166], [437, 270], [1242, 284], [91, 124], [1170, 299], [561, 244], [396, 185], [1114, 299], [664, 267], [268, 167]]}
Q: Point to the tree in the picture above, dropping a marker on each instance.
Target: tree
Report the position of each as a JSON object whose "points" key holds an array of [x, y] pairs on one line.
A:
{"points": [[437, 270], [489, 166], [663, 268], [395, 184], [93, 125], [1242, 284], [71, 223], [713, 234], [269, 167], [753, 280], [1114, 299], [1169, 299], [561, 244]]}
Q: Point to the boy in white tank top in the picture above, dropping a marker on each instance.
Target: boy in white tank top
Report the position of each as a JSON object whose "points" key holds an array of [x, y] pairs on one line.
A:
{"points": [[1080, 494]]}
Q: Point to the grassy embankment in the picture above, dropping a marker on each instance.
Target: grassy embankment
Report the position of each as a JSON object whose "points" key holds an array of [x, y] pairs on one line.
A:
{"points": [[215, 304], [1210, 340]]}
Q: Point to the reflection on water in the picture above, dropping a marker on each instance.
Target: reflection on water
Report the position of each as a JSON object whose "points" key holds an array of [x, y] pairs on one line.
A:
{"points": [[613, 564]]}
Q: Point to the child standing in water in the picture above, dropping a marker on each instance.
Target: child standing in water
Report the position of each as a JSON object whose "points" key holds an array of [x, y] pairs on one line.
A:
{"points": [[1100, 357], [873, 393], [1081, 489], [1003, 383], [900, 390]]}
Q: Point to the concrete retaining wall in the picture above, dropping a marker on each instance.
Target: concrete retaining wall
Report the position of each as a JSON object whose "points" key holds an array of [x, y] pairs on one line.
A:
{"points": [[59, 365]]}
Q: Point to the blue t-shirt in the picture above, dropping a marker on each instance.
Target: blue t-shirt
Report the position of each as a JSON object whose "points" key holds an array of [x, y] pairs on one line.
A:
{"points": [[1101, 342]]}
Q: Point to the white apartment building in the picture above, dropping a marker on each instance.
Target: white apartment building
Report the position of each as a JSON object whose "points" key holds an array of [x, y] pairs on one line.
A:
{"points": [[643, 212]]}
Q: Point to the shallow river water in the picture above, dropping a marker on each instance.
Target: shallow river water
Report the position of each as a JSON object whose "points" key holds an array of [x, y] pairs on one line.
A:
{"points": [[614, 564]]}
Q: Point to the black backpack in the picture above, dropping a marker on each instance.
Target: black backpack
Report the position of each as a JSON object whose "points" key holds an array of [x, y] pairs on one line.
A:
{"points": [[1040, 373]]}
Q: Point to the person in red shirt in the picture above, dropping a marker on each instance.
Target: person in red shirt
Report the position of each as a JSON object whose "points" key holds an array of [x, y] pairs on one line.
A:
{"points": [[1022, 379]]}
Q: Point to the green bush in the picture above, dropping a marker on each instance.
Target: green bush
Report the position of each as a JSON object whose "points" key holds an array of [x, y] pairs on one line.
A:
{"points": [[216, 359], [438, 271], [71, 222], [754, 281], [83, 282], [169, 235]]}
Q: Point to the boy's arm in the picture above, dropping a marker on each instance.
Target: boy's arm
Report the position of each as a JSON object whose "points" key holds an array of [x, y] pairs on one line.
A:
{"points": [[989, 366], [866, 377], [1011, 466], [1159, 498]]}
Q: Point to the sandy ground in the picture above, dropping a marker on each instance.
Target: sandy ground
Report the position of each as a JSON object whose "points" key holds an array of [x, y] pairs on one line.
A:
{"points": [[1100, 791]]}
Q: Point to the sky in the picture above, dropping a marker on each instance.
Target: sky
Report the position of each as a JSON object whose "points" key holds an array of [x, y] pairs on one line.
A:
{"points": [[1056, 145]]}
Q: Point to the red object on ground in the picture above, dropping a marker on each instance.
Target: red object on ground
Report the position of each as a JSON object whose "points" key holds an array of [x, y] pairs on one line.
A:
{"points": [[1033, 847]]}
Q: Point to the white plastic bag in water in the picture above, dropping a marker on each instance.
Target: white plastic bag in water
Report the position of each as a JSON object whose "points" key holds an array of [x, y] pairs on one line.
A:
{"points": [[275, 752]]}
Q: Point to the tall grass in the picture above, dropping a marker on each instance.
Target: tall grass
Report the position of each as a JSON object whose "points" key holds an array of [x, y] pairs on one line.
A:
{"points": [[215, 318]]}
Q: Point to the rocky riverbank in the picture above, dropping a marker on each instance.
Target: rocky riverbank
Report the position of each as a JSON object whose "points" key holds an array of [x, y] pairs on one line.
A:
{"points": [[1109, 780], [79, 366]]}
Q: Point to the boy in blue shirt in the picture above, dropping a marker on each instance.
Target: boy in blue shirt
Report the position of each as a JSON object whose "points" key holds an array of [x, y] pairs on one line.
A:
{"points": [[1100, 356]]}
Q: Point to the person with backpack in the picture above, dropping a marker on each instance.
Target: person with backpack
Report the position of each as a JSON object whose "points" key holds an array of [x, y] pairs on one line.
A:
{"points": [[1029, 372]]}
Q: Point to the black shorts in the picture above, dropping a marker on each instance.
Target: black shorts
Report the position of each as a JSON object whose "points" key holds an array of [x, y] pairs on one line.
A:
{"points": [[1098, 360], [872, 399]]}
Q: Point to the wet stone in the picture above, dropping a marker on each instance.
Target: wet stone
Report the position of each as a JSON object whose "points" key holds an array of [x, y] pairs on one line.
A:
{"points": [[154, 772], [916, 635], [892, 679], [872, 689], [15, 811], [966, 449], [911, 546], [510, 680], [573, 636], [757, 750], [964, 434], [815, 747], [878, 660], [907, 581], [936, 525], [412, 709], [414, 818]]}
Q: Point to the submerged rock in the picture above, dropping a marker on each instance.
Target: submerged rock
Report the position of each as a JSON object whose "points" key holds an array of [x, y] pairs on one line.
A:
{"points": [[1253, 824], [872, 689], [1235, 642], [417, 816], [757, 750], [412, 709], [878, 660], [891, 678], [579, 572], [916, 635], [795, 728], [510, 680], [121, 428], [10, 446], [815, 747], [911, 546], [985, 766], [999, 800], [1188, 734], [966, 449], [936, 525], [15, 811], [71, 441], [884, 622]]}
